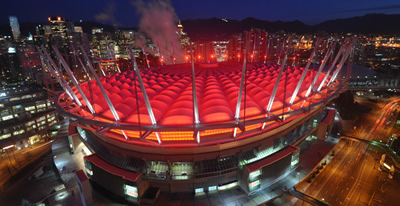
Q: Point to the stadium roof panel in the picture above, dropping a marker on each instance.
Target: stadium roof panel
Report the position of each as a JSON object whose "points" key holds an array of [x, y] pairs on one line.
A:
{"points": [[170, 93]]}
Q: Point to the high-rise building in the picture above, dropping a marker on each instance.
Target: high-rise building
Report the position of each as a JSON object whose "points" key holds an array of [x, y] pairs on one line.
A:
{"points": [[183, 37], [59, 34], [15, 28]]}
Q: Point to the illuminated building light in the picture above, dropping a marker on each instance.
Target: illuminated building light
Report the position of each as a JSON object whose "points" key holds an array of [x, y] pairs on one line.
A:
{"points": [[215, 132], [8, 147], [128, 133], [198, 137], [251, 127], [131, 191], [199, 57], [254, 185], [212, 55], [234, 132], [228, 186], [212, 188], [294, 162], [171, 136], [386, 165], [89, 172], [86, 151], [123, 133], [254, 175], [198, 190], [263, 126], [262, 154], [158, 138]]}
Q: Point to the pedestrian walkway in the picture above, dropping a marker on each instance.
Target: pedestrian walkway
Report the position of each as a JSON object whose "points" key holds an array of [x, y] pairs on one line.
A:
{"points": [[66, 164]]}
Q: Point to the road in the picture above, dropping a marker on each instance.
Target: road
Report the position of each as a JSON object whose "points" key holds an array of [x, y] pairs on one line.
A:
{"points": [[14, 161], [352, 177]]}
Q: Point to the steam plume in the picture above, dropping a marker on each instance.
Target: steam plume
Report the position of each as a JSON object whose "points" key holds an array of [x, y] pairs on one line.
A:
{"points": [[158, 21]]}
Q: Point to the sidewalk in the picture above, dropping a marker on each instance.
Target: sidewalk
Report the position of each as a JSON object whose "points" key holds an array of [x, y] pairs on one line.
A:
{"points": [[66, 164]]}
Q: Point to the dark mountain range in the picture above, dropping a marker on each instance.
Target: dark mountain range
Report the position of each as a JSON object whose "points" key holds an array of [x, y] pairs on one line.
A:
{"points": [[218, 29], [369, 23]]}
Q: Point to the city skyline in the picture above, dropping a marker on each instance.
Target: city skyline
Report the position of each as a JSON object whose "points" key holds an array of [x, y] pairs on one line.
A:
{"points": [[206, 103], [127, 13]]}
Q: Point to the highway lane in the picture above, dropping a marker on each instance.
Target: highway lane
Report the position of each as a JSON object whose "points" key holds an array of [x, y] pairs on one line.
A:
{"points": [[352, 178]]}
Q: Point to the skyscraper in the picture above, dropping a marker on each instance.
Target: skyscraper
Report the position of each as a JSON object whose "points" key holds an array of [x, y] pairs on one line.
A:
{"points": [[15, 28]]}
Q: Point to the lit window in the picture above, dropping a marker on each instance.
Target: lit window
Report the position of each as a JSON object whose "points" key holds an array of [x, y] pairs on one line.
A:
{"points": [[198, 190], [254, 175], [212, 188], [254, 185]]}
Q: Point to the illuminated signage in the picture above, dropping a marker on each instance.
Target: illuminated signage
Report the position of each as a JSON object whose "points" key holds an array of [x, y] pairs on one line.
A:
{"points": [[131, 191]]}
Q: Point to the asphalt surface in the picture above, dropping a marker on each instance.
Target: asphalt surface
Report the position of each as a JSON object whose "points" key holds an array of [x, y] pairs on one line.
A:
{"points": [[352, 177]]}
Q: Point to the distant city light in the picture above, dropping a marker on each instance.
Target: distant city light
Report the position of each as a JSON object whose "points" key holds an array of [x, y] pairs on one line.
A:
{"points": [[12, 50]]}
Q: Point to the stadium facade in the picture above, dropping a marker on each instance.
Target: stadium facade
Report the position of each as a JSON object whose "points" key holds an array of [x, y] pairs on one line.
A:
{"points": [[198, 127]]}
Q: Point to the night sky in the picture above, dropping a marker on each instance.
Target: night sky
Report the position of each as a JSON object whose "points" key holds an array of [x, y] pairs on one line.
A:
{"points": [[308, 11]]}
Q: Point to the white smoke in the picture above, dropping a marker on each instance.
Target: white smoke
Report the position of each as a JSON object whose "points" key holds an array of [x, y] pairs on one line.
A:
{"points": [[159, 22], [107, 15]]}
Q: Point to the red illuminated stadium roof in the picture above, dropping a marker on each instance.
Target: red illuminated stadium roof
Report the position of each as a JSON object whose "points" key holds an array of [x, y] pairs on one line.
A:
{"points": [[170, 93]]}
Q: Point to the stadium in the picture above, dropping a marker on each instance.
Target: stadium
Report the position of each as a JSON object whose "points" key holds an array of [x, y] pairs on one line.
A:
{"points": [[190, 128]]}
